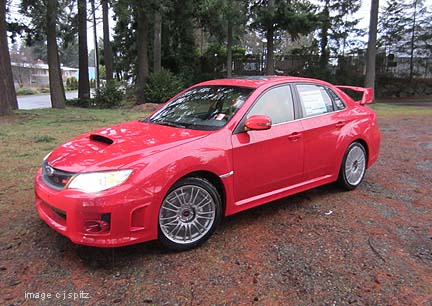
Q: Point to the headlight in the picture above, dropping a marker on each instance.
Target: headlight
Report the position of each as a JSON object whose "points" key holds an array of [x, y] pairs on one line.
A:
{"points": [[98, 181]]}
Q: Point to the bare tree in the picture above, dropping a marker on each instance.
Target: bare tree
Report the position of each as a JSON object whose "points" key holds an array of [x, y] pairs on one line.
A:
{"points": [[371, 51], [8, 99]]}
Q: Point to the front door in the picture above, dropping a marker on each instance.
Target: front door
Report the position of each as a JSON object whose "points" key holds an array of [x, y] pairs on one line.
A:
{"points": [[268, 160]]}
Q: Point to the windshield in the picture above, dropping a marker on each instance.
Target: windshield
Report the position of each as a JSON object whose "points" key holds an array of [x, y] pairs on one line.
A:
{"points": [[203, 108]]}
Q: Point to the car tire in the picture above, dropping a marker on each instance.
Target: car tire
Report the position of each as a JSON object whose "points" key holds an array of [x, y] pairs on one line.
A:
{"points": [[353, 167], [189, 214]]}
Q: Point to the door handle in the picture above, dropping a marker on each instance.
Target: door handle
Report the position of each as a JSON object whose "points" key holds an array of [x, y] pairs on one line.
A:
{"points": [[294, 136], [340, 123]]}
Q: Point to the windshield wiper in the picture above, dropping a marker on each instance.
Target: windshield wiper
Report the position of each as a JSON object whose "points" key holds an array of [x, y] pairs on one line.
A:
{"points": [[169, 123]]}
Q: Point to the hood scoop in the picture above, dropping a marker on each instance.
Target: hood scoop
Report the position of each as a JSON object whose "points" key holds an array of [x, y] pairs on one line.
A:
{"points": [[102, 139]]}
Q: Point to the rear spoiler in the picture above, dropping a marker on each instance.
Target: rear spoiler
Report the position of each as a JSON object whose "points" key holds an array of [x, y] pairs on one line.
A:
{"points": [[368, 93]]}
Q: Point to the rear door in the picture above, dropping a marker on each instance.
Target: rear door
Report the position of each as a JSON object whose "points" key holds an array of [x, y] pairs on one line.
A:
{"points": [[323, 121], [265, 161]]}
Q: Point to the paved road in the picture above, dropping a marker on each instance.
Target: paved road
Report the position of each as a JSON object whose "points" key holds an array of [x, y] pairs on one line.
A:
{"points": [[40, 101]]}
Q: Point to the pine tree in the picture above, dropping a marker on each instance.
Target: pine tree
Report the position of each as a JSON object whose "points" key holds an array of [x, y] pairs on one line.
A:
{"points": [[224, 20], [270, 16], [337, 20], [405, 29]]}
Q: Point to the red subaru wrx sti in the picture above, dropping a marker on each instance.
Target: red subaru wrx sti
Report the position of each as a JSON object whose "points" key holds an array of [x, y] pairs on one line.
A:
{"points": [[215, 149]]}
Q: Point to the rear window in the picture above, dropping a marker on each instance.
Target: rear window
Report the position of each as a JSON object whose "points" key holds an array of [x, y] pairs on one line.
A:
{"points": [[314, 100]]}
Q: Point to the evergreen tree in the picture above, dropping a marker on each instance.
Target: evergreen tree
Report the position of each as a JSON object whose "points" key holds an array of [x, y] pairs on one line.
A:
{"points": [[270, 16], [224, 20], [405, 29], [393, 27], [337, 22]]}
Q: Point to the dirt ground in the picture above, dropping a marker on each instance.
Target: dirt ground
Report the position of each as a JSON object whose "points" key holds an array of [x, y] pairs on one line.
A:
{"points": [[371, 246]]}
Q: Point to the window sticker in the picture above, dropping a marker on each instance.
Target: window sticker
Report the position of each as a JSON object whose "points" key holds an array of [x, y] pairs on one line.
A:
{"points": [[313, 102], [220, 116]]}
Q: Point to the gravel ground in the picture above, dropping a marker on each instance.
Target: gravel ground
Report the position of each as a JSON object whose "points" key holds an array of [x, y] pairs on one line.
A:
{"points": [[371, 246]]}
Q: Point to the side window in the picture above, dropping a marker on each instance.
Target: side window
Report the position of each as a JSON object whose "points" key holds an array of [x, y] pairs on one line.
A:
{"points": [[277, 103], [337, 101], [314, 99]]}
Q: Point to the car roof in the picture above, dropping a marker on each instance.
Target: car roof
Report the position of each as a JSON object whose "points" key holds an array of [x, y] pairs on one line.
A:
{"points": [[257, 81]]}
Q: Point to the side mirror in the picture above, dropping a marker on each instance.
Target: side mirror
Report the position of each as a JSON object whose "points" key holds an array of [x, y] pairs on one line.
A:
{"points": [[258, 122]]}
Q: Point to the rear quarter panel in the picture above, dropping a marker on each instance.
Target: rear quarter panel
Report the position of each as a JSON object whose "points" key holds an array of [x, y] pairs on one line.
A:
{"points": [[362, 126]]}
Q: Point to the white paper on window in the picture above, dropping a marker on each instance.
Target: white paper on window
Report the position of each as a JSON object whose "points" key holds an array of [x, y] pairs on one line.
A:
{"points": [[313, 102]]}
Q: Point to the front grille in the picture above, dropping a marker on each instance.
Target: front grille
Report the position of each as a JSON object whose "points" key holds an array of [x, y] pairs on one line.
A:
{"points": [[55, 178]]}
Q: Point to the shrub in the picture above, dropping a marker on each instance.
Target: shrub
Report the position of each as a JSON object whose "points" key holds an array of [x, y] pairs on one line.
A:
{"points": [[109, 95], [162, 86], [71, 83], [43, 138], [24, 91], [44, 90], [85, 103]]}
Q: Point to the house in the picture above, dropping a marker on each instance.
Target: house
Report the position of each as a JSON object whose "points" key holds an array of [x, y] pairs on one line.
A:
{"points": [[36, 75]]}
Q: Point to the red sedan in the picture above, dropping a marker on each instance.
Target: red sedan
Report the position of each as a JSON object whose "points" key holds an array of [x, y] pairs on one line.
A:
{"points": [[215, 149]]}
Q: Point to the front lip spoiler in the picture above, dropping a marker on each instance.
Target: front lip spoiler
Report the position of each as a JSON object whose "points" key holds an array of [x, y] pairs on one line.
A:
{"points": [[226, 174]]}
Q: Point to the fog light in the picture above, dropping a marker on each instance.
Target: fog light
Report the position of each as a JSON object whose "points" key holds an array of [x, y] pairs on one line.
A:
{"points": [[96, 226]]}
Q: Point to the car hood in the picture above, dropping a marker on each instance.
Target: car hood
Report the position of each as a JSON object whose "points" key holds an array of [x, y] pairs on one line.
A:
{"points": [[117, 146]]}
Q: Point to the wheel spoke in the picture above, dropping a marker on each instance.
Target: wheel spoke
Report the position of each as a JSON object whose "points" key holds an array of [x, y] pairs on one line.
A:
{"points": [[198, 229], [196, 195], [179, 229], [204, 217], [200, 205], [175, 221], [173, 229], [170, 209], [179, 198], [173, 205], [168, 218], [183, 196]]}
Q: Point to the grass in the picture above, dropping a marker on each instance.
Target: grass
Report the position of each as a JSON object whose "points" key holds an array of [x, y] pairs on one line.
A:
{"points": [[385, 110], [29, 135]]}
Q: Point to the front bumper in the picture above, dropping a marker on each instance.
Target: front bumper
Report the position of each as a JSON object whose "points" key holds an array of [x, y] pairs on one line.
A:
{"points": [[113, 218]]}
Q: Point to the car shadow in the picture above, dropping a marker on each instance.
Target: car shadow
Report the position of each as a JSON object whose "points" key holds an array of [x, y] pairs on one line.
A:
{"points": [[118, 258]]}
